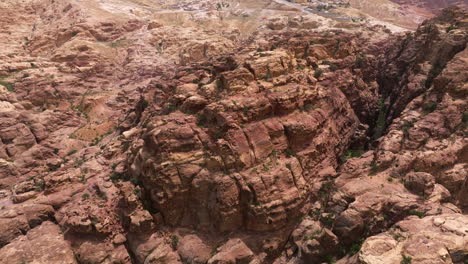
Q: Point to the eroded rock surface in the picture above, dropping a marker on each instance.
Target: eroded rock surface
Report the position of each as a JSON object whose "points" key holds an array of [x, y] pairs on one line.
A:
{"points": [[230, 132]]}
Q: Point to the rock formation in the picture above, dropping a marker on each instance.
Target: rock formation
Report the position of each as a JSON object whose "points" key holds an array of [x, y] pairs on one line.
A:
{"points": [[230, 132]]}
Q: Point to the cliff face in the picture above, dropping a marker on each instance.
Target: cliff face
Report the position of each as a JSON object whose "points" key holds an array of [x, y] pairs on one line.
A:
{"points": [[149, 133]]}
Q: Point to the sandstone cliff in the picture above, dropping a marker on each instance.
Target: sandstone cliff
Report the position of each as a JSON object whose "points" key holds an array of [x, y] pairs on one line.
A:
{"points": [[131, 134]]}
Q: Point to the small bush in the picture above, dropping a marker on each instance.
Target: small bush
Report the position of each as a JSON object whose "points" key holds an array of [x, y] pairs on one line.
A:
{"points": [[381, 121], [174, 241], [135, 181], [116, 176], [374, 168], [219, 84], [85, 196], [450, 28], [436, 69], [328, 220], [289, 153], [39, 186], [465, 118], [318, 73], [406, 260], [71, 152], [354, 249], [144, 104], [405, 128], [420, 214], [102, 196], [429, 107], [54, 167], [309, 107], [351, 154], [9, 86]]}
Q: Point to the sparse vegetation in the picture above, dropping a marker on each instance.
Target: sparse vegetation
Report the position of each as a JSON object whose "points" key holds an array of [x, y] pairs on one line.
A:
{"points": [[436, 69], [405, 128], [83, 178], [71, 152], [219, 84], [310, 106], [117, 43], [289, 153], [406, 260], [174, 241], [351, 154], [54, 167], [102, 196], [39, 186], [268, 75], [328, 220], [450, 28], [9, 86], [374, 168], [115, 176], [201, 120], [429, 107], [355, 247], [381, 120], [420, 214], [318, 73], [465, 118]]}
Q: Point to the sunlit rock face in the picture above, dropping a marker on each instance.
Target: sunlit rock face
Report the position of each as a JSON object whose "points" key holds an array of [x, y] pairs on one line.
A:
{"points": [[233, 132]]}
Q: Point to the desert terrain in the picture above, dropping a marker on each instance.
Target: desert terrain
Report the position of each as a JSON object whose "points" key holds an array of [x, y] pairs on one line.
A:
{"points": [[234, 131]]}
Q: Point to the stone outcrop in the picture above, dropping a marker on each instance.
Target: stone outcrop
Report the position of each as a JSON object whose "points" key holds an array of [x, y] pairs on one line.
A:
{"points": [[43, 244], [232, 132]]}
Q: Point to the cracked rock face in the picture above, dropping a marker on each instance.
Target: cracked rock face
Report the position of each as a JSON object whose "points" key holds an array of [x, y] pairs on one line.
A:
{"points": [[232, 132]]}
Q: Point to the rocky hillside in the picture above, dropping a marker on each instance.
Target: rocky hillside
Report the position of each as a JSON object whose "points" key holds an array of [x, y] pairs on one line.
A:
{"points": [[229, 132], [434, 5]]}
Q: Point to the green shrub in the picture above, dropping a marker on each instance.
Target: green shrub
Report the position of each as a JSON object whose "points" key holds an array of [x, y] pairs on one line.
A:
{"points": [[219, 84], [351, 154], [374, 168], [71, 152], [82, 178], [429, 107], [420, 214], [436, 69], [102, 196], [318, 73], [465, 119], [405, 128], [289, 153], [201, 120], [9, 86], [116, 176], [406, 260], [85, 196], [354, 249], [174, 241]]}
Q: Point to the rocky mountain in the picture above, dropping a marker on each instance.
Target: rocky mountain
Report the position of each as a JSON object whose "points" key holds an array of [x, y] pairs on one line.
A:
{"points": [[230, 132], [431, 4]]}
